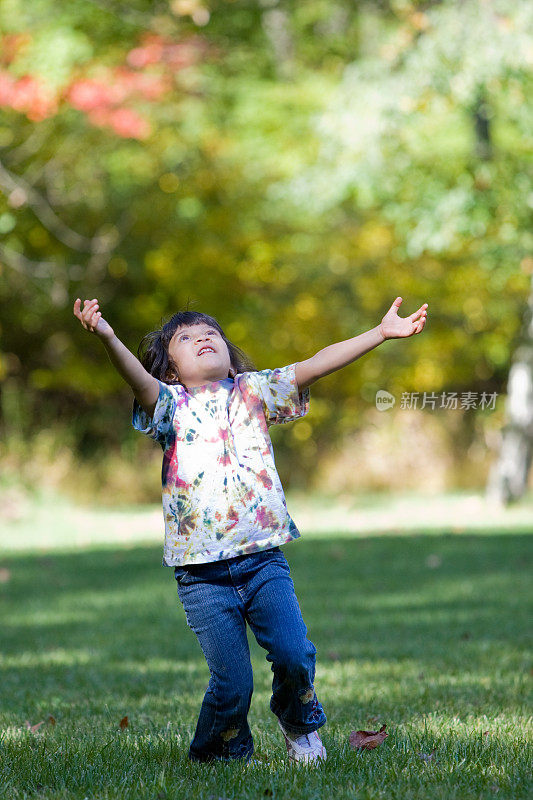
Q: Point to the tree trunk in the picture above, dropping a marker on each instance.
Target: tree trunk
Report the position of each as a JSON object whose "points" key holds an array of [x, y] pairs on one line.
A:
{"points": [[482, 127], [509, 474], [276, 24]]}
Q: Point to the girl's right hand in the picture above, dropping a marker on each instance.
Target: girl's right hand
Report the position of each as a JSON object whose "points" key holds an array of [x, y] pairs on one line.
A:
{"points": [[92, 319]]}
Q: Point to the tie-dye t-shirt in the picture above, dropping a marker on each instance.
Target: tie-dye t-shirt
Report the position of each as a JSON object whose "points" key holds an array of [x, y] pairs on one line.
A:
{"points": [[222, 496]]}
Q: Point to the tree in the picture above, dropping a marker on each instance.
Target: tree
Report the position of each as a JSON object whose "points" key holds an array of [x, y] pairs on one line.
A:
{"points": [[433, 133], [146, 155]]}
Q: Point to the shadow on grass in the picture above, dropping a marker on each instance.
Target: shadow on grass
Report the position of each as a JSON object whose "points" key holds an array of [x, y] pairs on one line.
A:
{"points": [[399, 623]]}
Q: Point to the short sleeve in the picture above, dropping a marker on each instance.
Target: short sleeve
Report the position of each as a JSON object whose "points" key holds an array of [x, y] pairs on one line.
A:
{"points": [[278, 389], [158, 426]]}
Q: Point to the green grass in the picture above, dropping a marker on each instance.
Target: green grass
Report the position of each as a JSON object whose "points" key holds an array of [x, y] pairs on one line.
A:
{"points": [[427, 634]]}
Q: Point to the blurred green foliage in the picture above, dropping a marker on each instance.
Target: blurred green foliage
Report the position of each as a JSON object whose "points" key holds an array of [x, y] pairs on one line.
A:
{"points": [[290, 167]]}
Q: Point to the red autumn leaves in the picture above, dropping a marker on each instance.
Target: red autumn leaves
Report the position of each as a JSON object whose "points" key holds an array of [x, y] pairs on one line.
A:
{"points": [[108, 96]]}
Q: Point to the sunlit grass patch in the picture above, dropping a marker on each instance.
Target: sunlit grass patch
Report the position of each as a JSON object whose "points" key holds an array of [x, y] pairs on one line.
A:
{"points": [[426, 634]]}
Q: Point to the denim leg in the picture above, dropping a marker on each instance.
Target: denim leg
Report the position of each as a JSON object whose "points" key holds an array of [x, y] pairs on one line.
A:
{"points": [[275, 617], [215, 613]]}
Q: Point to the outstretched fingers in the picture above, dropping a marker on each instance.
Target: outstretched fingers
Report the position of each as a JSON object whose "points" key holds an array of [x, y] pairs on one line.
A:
{"points": [[93, 315], [418, 318], [416, 314], [421, 324], [90, 315]]}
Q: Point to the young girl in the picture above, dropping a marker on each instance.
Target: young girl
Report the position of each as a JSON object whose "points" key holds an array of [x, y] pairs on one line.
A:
{"points": [[200, 397]]}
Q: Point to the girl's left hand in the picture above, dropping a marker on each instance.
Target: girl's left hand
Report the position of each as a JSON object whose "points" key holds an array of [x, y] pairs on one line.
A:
{"points": [[394, 327]]}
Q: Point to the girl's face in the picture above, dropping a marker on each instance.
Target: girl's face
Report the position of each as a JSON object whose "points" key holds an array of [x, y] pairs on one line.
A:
{"points": [[200, 354]]}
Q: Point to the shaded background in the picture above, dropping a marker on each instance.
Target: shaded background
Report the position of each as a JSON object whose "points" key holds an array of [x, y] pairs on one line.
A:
{"points": [[290, 168]]}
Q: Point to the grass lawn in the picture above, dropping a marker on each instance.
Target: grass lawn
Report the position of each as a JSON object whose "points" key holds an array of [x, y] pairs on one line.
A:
{"points": [[426, 633]]}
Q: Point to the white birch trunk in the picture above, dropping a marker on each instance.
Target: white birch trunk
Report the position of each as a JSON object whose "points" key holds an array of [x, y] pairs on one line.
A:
{"points": [[509, 474]]}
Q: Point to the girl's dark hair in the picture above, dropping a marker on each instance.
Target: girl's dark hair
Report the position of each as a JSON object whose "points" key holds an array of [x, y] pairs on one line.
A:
{"points": [[153, 349]]}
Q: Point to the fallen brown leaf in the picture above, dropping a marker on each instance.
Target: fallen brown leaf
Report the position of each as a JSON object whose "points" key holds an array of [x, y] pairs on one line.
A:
{"points": [[34, 728], [123, 723], [5, 575], [367, 740]]}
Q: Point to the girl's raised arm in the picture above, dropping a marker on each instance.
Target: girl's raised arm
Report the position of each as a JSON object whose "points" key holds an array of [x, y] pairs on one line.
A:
{"points": [[340, 354], [145, 387]]}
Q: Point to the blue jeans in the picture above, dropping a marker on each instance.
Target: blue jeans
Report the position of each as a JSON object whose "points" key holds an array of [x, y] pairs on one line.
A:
{"points": [[219, 598]]}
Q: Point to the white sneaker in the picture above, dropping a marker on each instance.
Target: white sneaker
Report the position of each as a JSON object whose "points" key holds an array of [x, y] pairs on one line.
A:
{"points": [[305, 747]]}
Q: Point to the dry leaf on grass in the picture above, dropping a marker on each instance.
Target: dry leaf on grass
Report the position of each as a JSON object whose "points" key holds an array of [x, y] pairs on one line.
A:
{"points": [[34, 728], [5, 575], [367, 740], [123, 723]]}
